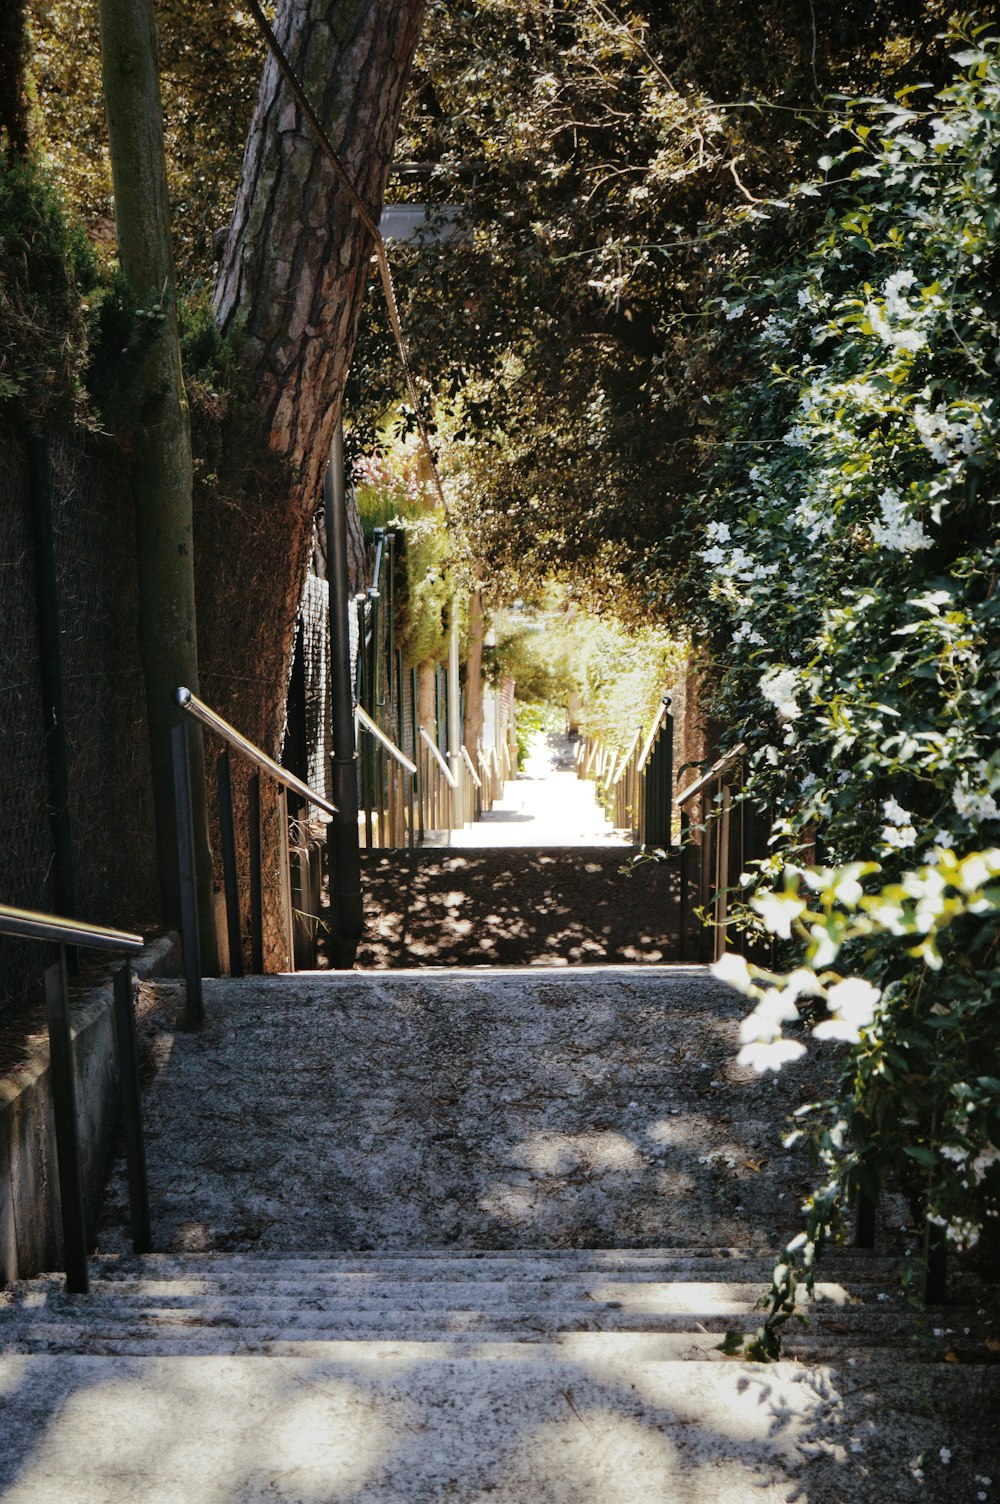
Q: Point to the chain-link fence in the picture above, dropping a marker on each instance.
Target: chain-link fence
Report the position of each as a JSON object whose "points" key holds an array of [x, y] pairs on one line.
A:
{"points": [[110, 801]]}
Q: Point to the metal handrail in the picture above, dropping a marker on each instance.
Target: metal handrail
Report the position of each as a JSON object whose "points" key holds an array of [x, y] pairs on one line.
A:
{"points": [[715, 771], [199, 711], [627, 758], [651, 738], [469, 764], [366, 721], [449, 775], [29, 924]]}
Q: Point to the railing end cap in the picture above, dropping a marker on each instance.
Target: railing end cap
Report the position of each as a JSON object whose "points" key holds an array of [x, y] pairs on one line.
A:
{"points": [[183, 697]]}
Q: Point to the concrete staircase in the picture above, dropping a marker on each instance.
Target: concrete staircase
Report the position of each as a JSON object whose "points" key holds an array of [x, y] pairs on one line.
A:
{"points": [[457, 1237], [503, 906]]}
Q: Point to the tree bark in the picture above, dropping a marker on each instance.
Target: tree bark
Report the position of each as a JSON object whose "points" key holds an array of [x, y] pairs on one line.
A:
{"points": [[427, 696], [292, 279], [474, 676], [162, 466]]}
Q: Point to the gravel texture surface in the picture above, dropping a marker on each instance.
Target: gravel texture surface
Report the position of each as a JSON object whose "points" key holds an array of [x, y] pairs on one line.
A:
{"points": [[490, 1110]]}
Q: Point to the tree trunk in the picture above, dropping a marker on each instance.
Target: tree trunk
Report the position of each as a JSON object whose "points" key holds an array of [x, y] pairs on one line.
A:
{"points": [[162, 467], [474, 676], [292, 279], [427, 697]]}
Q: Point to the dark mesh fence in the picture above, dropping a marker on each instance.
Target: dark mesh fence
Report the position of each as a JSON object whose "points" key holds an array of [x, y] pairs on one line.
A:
{"points": [[105, 723]]}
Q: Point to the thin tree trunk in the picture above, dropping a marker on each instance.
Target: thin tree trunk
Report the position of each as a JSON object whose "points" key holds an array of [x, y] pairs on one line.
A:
{"points": [[427, 697], [292, 279], [162, 468], [474, 675]]}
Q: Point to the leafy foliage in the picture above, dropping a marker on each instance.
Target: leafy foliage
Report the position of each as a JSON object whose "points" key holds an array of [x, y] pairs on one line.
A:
{"points": [[853, 556], [602, 159], [47, 273]]}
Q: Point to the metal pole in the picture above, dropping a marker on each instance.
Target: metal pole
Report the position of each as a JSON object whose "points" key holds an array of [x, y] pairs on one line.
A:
{"points": [[256, 880], [50, 663], [194, 1008], [347, 910], [230, 875], [455, 716], [74, 1220], [128, 1085]]}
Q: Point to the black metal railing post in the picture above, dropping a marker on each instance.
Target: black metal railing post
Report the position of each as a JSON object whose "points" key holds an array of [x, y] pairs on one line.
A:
{"points": [[50, 664], [346, 903], [74, 1219], [230, 873], [194, 1007], [128, 1080], [256, 878]]}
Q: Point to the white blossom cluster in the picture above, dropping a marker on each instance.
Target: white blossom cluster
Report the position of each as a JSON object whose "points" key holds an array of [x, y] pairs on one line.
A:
{"points": [[948, 441], [898, 530], [779, 686]]}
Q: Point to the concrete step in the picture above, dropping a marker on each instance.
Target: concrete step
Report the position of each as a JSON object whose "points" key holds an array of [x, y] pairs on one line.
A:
{"points": [[175, 1304], [574, 1422]]}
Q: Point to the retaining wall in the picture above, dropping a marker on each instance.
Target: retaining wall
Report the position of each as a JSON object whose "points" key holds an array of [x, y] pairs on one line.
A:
{"points": [[30, 1223]]}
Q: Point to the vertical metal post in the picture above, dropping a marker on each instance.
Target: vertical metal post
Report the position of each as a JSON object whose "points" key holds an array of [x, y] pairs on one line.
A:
{"points": [[682, 904], [455, 718], [230, 874], [50, 663], [936, 1253], [128, 1085], [346, 905], [864, 1229], [194, 1007], [256, 879], [74, 1221], [421, 779], [285, 876]]}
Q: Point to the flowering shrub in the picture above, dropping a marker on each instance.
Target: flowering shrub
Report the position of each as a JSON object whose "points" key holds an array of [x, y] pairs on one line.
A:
{"points": [[848, 578]]}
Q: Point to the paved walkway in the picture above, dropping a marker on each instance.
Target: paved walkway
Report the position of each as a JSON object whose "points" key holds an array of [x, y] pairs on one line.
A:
{"points": [[545, 805]]}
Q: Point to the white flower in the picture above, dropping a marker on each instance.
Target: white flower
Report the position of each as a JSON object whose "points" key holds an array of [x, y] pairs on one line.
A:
{"points": [[718, 532], [945, 1455], [899, 836], [735, 311], [746, 633], [734, 970], [983, 1160], [898, 530], [771, 1056], [778, 910], [895, 813], [851, 1004], [974, 806], [778, 686]]}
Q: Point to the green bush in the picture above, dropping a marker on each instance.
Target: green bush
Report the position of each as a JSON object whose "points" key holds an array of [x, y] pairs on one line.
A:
{"points": [[847, 578]]}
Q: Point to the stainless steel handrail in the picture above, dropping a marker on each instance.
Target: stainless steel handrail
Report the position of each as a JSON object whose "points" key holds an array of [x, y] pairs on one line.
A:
{"points": [[715, 771], [651, 738], [626, 759], [199, 711], [28, 924], [390, 746], [469, 764], [449, 775]]}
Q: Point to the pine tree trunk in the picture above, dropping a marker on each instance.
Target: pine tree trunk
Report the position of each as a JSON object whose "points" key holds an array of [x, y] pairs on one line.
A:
{"points": [[162, 466], [292, 279], [474, 676]]}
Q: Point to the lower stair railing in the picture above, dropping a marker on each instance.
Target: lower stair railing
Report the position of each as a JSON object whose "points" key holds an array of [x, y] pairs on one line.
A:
{"points": [[392, 821], [25, 924], [437, 787], [193, 711]]}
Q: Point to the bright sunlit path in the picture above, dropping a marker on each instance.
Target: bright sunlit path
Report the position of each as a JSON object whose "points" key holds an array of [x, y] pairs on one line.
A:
{"points": [[545, 805]]}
